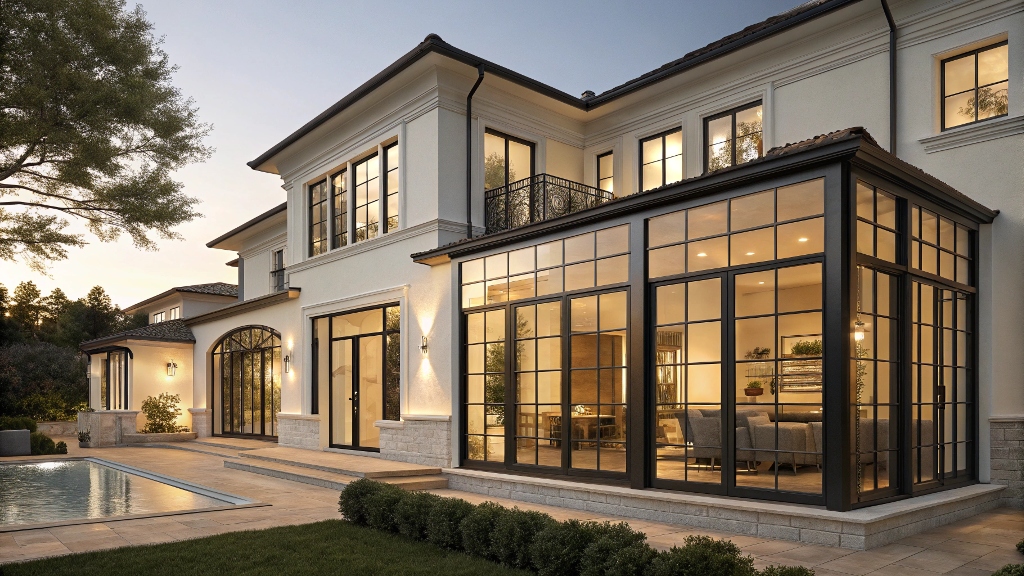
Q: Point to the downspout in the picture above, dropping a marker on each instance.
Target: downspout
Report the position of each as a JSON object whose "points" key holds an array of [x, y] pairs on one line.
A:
{"points": [[892, 76], [469, 151]]}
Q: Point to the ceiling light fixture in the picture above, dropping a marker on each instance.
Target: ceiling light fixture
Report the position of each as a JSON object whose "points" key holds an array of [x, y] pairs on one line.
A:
{"points": [[801, 239], [750, 253], [701, 254]]}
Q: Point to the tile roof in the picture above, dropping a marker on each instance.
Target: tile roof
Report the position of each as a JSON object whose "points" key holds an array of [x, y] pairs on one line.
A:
{"points": [[216, 288], [169, 331]]}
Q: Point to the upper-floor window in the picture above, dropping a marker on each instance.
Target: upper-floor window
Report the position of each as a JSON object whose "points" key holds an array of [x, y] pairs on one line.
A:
{"points": [[605, 171], [158, 317], [318, 218], [367, 185], [339, 194], [391, 187], [506, 159], [733, 137], [175, 313], [277, 270], [661, 159], [975, 86]]}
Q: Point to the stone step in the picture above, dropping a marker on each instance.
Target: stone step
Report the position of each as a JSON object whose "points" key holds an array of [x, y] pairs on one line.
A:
{"points": [[343, 464], [331, 480], [200, 448], [232, 444]]}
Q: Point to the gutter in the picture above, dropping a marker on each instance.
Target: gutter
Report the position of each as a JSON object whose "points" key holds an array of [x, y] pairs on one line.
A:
{"points": [[469, 151], [892, 76]]}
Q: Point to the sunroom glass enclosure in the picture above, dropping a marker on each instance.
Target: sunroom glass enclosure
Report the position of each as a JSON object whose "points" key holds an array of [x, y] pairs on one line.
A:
{"points": [[805, 338]]}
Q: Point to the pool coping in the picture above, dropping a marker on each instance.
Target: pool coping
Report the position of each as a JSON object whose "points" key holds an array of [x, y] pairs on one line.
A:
{"points": [[234, 502]]}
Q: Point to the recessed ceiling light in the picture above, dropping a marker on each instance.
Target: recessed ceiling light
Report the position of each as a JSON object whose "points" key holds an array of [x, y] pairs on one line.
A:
{"points": [[750, 253], [801, 239], [701, 254], [761, 282]]}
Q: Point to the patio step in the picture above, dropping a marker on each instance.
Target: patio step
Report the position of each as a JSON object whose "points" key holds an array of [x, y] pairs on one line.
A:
{"points": [[328, 479], [343, 464], [198, 447], [236, 444]]}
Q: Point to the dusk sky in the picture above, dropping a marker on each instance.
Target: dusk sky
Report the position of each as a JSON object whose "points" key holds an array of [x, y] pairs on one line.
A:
{"points": [[259, 70]]}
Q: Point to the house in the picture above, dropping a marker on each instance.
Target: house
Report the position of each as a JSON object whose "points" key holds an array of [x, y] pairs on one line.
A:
{"points": [[782, 267]]}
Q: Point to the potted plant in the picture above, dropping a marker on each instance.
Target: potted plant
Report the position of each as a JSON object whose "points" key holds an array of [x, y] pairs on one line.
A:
{"points": [[754, 388], [83, 439]]}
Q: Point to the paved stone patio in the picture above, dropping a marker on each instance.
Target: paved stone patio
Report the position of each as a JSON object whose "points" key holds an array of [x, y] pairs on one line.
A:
{"points": [[972, 547]]}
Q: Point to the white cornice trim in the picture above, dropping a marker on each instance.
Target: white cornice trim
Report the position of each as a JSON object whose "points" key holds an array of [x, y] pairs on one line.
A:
{"points": [[973, 134], [275, 242]]}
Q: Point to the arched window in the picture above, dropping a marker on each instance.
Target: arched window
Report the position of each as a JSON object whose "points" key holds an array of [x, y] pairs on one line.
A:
{"points": [[246, 367]]}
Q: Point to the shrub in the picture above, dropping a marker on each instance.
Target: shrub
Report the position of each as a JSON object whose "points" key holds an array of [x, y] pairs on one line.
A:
{"points": [[161, 414], [381, 505], [84, 436], [787, 571], [42, 381], [558, 548], [17, 423], [703, 556], [412, 513], [478, 527], [42, 444], [352, 502], [618, 550], [514, 531], [1010, 570], [1020, 546], [444, 525], [61, 448]]}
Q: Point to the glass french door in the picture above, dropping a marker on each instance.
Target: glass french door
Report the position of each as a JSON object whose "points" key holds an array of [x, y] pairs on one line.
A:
{"points": [[357, 390], [247, 365]]}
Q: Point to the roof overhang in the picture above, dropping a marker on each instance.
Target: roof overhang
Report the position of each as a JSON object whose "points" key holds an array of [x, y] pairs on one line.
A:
{"points": [[245, 306], [232, 240]]}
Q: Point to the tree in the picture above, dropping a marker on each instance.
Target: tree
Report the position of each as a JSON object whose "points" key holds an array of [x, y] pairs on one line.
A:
{"points": [[26, 308], [91, 128]]}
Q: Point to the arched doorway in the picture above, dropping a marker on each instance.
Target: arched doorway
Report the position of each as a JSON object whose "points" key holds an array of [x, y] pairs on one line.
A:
{"points": [[246, 366]]}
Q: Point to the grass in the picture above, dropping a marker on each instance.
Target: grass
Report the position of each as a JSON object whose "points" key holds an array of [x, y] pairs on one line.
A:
{"points": [[329, 547]]}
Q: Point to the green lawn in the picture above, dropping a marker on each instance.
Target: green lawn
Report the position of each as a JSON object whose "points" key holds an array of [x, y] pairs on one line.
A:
{"points": [[329, 547]]}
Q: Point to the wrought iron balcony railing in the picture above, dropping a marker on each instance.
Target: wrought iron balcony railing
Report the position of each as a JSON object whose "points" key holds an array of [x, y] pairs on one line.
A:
{"points": [[541, 197]]}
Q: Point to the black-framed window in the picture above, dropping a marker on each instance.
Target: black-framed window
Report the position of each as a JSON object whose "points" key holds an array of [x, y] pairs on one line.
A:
{"points": [[877, 233], [318, 207], [391, 182], [339, 195], [733, 137], [661, 159], [277, 270], [606, 171], [940, 246], [246, 369], [367, 185], [975, 86], [506, 159]]}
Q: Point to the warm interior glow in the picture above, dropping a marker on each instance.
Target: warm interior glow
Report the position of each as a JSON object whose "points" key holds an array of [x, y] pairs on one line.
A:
{"points": [[750, 253], [702, 254], [858, 331], [801, 240]]}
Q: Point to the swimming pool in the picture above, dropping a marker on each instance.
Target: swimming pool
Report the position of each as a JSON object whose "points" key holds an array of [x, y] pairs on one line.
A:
{"points": [[90, 488]]}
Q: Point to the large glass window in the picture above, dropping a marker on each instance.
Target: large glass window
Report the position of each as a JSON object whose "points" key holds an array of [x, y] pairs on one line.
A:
{"points": [[733, 137], [940, 246], [391, 187], [318, 218], [661, 159], [277, 270], [339, 193], [247, 386], [774, 224], [606, 171], [506, 159], [367, 183], [538, 375], [876, 223], [975, 86], [485, 385]]}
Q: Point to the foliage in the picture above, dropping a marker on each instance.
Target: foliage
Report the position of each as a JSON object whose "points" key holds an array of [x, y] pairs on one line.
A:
{"points": [[42, 381], [806, 348], [84, 436], [990, 103], [558, 548], [478, 527], [380, 508], [61, 448], [494, 171], [618, 550], [161, 414], [514, 531], [703, 556], [444, 524], [755, 384], [92, 129], [352, 502], [412, 514], [786, 571], [328, 547], [1020, 546], [43, 444], [17, 423], [1010, 570], [758, 353]]}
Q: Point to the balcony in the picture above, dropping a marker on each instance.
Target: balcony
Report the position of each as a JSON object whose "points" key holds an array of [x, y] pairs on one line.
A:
{"points": [[541, 197]]}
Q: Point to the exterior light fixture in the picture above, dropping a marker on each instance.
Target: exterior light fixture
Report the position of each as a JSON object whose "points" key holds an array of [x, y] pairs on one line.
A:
{"points": [[287, 363], [171, 367], [858, 331], [801, 239], [423, 344]]}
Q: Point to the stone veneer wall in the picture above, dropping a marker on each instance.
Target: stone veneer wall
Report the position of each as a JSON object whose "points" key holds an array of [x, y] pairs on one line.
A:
{"points": [[202, 422], [299, 430], [424, 440], [1008, 457]]}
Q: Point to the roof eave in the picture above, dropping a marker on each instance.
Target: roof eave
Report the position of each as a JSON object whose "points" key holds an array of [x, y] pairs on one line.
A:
{"points": [[282, 207]]}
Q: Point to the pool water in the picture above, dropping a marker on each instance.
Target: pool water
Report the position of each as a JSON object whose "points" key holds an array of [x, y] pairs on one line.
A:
{"points": [[41, 492]]}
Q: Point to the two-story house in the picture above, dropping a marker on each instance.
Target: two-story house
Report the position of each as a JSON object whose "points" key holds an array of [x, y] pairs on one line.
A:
{"points": [[782, 267]]}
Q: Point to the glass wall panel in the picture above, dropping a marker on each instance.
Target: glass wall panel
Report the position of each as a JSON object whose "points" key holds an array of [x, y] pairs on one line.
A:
{"points": [[940, 246], [876, 223], [485, 385], [538, 377]]}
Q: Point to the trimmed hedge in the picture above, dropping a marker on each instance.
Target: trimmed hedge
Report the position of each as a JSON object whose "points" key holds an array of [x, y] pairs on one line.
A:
{"points": [[535, 541], [1020, 546], [1010, 570], [17, 423], [43, 445]]}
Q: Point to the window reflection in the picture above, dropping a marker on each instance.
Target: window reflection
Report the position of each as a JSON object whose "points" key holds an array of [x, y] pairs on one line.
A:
{"points": [[661, 159], [733, 138], [975, 86]]}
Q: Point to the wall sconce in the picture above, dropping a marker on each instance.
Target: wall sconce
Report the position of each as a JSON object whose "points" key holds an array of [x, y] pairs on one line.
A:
{"points": [[287, 363], [171, 367], [858, 331], [423, 344]]}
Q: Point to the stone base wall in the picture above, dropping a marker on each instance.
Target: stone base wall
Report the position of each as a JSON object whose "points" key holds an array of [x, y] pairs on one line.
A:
{"points": [[107, 427], [202, 422], [299, 431], [424, 440], [52, 429], [1008, 458]]}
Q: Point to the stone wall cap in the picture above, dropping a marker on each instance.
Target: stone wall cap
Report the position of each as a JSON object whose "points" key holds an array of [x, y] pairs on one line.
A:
{"points": [[389, 424], [198, 410], [426, 417], [1007, 418], [311, 417]]}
